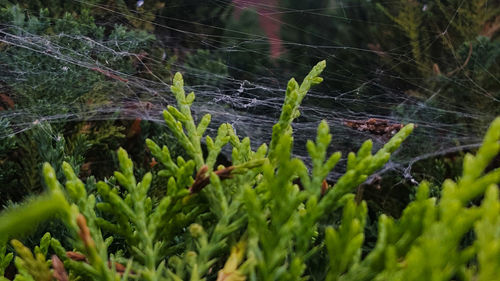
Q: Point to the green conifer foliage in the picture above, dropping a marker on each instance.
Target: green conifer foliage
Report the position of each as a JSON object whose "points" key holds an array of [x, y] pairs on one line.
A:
{"points": [[250, 220], [455, 47], [454, 21], [56, 54], [410, 19]]}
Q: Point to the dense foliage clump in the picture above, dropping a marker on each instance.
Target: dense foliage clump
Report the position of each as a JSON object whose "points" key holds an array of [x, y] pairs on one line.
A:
{"points": [[61, 65], [82, 89], [250, 220]]}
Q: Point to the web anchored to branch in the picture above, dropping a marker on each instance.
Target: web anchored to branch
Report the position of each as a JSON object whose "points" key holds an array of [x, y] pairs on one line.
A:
{"points": [[239, 75]]}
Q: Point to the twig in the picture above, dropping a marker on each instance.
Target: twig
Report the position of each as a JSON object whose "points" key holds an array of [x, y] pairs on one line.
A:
{"points": [[109, 74], [465, 63], [59, 273], [203, 179]]}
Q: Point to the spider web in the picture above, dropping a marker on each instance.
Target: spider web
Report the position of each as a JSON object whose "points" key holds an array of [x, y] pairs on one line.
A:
{"points": [[247, 99]]}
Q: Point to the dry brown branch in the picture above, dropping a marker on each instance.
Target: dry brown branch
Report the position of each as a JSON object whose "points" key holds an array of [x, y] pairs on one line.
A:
{"points": [[120, 268], [375, 126], [84, 232], [324, 187], [109, 74], [59, 272], [202, 178], [491, 27], [464, 64], [76, 256], [6, 100]]}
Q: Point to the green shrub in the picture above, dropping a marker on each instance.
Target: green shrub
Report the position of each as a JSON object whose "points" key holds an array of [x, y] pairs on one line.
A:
{"points": [[44, 49], [453, 46], [65, 51], [250, 221]]}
